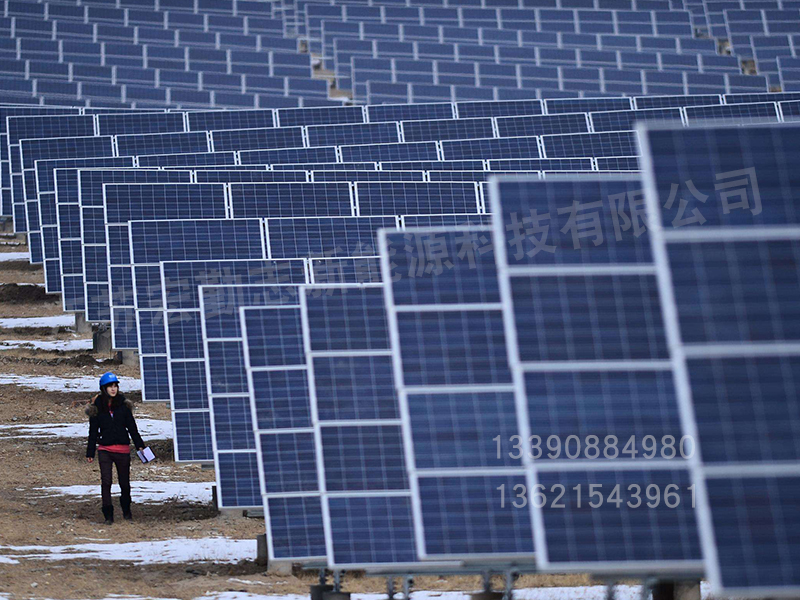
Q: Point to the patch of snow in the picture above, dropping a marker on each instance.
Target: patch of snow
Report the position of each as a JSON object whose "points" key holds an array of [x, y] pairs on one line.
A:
{"points": [[13, 256], [142, 491], [4, 560], [67, 320], [87, 383], [181, 550], [155, 429], [62, 345]]}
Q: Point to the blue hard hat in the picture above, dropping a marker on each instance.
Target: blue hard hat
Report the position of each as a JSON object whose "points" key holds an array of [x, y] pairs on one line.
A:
{"points": [[108, 378]]}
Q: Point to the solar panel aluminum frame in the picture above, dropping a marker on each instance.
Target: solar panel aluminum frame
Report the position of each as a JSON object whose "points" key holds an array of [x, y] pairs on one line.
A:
{"points": [[310, 354], [520, 561], [308, 561], [678, 351], [681, 569]]}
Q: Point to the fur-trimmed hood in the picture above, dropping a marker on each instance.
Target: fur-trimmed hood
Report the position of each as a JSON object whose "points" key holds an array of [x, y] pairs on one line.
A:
{"points": [[93, 409]]}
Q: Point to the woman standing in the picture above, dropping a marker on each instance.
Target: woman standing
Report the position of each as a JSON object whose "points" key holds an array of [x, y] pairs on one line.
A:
{"points": [[110, 422]]}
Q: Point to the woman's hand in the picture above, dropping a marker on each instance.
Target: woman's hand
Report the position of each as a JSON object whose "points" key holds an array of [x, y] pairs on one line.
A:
{"points": [[89, 459]]}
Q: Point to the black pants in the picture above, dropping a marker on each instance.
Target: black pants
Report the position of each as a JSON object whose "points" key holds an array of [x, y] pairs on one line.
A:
{"points": [[123, 461]]}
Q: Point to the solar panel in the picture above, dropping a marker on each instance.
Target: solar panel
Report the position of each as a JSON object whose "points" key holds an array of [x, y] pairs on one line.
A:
{"points": [[292, 200], [416, 198], [185, 351], [516, 147], [277, 375], [152, 242], [355, 176], [728, 289], [621, 143], [742, 113], [226, 380], [455, 392], [324, 237], [366, 501], [592, 378], [106, 236], [447, 129], [543, 124]]}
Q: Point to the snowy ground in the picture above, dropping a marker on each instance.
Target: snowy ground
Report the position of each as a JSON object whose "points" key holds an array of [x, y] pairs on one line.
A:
{"points": [[50, 346], [67, 320], [179, 550], [65, 384], [11, 256], [150, 429], [597, 592], [142, 491]]}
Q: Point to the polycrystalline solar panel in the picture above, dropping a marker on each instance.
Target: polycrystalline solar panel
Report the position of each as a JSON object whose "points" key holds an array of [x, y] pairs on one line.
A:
{"points": [[362, 133], [292, 200], [455, 392], [319, 176], [569, 105], [257, 139], [543, 124], [450, 129], [432, 165], [356, 421], [278, 388], [588, 351], [761, 112], [289, 117], [80, 198], [226, 380], [51, 149], [230, 119], [249, 176], [360, 166], [623, 120], [163, 143], [622, 143], [192, 159], [152, 242], [516, 147], [393, 152], [48, 126], [416, 198], [676, 101], [125, 203], [541, 164], [185, 347], [415, 221], [325, 237], [140, 122], [409, 112], [499, 109], [728, 290]]}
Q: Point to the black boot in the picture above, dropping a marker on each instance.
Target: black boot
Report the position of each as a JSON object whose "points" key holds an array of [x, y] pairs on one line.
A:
{"points": [[125, 503], [108, 513]]}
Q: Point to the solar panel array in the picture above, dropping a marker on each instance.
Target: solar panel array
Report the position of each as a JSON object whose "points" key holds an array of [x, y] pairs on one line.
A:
{"points": [[450, 330]]}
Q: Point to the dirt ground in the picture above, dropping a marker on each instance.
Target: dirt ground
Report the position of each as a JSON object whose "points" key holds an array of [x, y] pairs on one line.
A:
{"points": [[26, 518]]}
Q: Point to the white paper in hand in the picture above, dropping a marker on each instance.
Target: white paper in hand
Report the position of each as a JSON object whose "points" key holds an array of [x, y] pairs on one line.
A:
{"points": [[146, 455]]}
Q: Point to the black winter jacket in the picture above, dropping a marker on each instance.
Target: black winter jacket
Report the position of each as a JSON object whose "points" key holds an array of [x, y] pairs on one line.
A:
{"points": [[108, 430]]}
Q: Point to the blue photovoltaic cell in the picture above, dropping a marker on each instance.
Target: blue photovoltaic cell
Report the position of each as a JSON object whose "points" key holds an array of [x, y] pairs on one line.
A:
{"points": [[181, 303], [325, 237], [590, 361], [278, 389], [192, 436], [350, 378], [416, 198], [732, 285], [622, 143], [455, 390], [250, 200]]}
